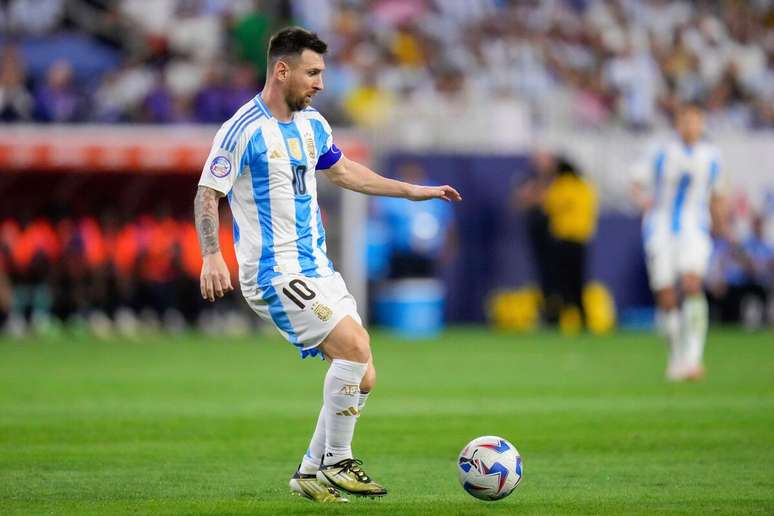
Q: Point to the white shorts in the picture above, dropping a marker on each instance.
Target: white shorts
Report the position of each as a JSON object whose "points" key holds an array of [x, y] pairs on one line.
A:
{"points": [[670, 256], [305, 310]]}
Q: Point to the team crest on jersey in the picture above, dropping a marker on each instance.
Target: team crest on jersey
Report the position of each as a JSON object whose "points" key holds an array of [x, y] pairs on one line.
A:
{"points": [[295, 148], [322, 312], [309, 144], [220, 166]]}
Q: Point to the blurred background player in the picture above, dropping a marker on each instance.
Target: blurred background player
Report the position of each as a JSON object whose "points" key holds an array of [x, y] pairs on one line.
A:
{"points": [[570, 202], [264, 158], [679, 192], [421, 235], [529, 197]]}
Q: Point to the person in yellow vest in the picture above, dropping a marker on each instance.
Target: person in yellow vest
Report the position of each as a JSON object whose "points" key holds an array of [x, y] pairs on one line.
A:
{"points": [[571, 205]]}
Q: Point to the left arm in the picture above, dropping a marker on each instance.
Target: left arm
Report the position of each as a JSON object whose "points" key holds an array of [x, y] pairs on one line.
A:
{"points": [[359, 178], [719, 213]]}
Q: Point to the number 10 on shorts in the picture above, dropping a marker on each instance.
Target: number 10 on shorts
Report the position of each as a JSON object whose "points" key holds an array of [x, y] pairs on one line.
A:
{"points": [[298, 292]]}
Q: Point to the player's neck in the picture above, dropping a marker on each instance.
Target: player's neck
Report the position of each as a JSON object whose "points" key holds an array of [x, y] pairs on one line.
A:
{"points": [[275, 101]]}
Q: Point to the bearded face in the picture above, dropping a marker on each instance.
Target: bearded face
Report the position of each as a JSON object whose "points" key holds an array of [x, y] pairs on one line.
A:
{"points": [[304, 80]]}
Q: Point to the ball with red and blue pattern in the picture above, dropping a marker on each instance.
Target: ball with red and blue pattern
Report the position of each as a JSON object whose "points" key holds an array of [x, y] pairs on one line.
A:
{"points": [[490, 468]]}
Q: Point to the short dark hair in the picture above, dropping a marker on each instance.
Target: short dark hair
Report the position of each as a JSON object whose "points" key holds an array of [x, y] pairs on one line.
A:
{"points": [[691, 105], [292, 41]]}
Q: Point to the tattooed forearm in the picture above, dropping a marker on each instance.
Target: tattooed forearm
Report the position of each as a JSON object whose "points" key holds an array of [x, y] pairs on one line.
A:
{"points": [[206, 217]]}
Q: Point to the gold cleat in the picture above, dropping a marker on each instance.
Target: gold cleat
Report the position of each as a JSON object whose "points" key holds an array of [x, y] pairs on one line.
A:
{"points": [[348, 476], [309, 487]]}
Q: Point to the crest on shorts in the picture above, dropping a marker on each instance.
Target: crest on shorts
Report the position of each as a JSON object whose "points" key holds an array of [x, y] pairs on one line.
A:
{"points": [[220, 166], [322, 312], [294, 145]]}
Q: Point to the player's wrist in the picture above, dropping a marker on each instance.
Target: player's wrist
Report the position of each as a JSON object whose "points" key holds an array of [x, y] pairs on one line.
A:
{"points": [[212, 255], [410, 190]]}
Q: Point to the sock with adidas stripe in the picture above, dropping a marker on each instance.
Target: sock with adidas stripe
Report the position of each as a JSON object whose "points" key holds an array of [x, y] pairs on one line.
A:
{"points": [[341, 394]]}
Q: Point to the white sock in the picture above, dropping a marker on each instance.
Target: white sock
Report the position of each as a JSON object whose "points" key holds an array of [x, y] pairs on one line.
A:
{"points": [[670, 326], [694, 328], [313, 456], [361, 401], [341, 394]]}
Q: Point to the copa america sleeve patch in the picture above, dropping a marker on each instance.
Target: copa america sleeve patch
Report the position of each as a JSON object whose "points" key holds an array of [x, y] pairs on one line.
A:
{"points": [[220, 166]]}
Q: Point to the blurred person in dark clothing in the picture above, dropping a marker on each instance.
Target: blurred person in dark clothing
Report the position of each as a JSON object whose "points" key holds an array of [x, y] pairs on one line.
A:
{"points": [[190, 263], [741, 277], [34, 254], [529, 197], [9, 233], [570, 203], [57, 99], [422, 236], [70, 296], [209, 103], [225, 89], [15, 100], [241, 87], [6, 294], [158, 254]]}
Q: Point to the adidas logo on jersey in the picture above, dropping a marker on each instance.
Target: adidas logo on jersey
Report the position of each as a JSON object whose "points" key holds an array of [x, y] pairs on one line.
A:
{"points": [[276, 154]]}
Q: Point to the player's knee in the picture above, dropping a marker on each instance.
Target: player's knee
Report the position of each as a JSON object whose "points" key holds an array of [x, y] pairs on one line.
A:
{"points": [[348, 341], [691, 285], [369, 380], [666, 299], [360, 345], [357, 345]]}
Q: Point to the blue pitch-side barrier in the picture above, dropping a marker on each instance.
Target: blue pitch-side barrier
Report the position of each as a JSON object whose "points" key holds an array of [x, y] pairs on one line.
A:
{"points": [[494, 252]]}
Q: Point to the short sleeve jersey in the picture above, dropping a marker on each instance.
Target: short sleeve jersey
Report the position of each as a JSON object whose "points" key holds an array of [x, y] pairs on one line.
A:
{"points": [[682, 180], [267, 170]]}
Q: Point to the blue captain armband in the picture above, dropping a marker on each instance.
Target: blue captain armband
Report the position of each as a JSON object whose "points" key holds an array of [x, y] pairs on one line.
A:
{"points": [[329, 159]]}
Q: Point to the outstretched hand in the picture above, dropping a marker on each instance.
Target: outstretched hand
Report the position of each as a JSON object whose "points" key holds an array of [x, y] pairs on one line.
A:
{"points": [[424, 193]]}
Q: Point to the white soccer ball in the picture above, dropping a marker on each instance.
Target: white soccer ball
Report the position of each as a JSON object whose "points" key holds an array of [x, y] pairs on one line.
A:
{"points": [[490, 468]]}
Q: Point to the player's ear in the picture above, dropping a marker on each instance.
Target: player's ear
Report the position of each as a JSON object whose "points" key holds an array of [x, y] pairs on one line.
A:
{"points": [[281, 70]]}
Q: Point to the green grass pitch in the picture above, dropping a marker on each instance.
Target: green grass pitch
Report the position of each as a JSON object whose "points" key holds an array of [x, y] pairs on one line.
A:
{"points": [[195, 425]]}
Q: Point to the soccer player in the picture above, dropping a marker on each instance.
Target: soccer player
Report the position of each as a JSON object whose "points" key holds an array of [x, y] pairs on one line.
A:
{"points": [[679, 192], [264, 160]]}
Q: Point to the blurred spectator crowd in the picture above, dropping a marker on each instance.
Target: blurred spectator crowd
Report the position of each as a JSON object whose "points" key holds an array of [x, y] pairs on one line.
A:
{"points": [[740, 280], [106, 276], [576, 63]]}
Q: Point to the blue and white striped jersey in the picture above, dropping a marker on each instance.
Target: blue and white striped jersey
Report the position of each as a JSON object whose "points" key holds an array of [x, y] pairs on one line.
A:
{"points": [[681, 180], [267, 170]]}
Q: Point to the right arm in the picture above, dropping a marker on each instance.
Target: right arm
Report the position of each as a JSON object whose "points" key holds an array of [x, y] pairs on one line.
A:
{"points": [[641, 197], [215, 279], [642, 174]]}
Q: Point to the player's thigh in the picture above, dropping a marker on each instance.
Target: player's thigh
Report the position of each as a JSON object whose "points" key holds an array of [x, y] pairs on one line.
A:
{"points": [[693, 259], [662, 264], [348, 340]]}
